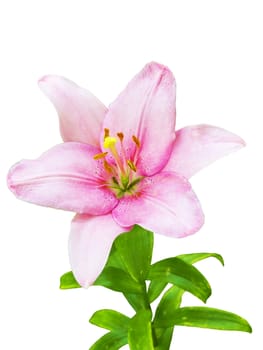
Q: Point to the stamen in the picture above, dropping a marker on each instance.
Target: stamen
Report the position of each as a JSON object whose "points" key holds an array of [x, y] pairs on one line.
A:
{"points": [[123, 153], [131, 165], [100, 155], [106, 133], [120, 136], [136, 141], [107, 167]]}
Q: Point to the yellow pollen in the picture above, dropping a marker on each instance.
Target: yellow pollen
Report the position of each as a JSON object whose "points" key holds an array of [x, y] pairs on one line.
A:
{"points": [[131, 165], [100, 155], [109, 142], [136, 141]]}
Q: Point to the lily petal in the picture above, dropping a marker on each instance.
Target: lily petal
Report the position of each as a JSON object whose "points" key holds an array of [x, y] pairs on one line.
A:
{"points": [[80, 113], [165, 204], [199, 145], [90, 241], [146, 109], [65, 177]]}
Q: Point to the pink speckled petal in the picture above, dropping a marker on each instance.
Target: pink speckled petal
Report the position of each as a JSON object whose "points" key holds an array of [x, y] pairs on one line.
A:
{"points": [[165, 203], [90, 241], [146, 109], [199, 145], [65, 177], [80, 113]]}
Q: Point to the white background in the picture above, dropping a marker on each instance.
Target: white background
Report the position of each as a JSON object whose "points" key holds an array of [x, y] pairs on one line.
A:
{"points": [[214, 49]]}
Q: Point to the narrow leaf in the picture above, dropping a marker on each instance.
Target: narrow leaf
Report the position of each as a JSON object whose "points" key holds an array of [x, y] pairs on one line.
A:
{"points": [[110, 341], [195, 257], [114, 259], [140, 331], [135, 249], [181, 274], [117, 280], [155, 289], [163, 338], [68, 281], [169, 303], [171, 300], [110, 319], [137, 301], [205, 317]]}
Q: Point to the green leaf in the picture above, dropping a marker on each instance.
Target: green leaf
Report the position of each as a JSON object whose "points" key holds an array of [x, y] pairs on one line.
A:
{"points": [[204, 317], [68, 281], [140, 331], [155, 289], [117, 280], [171, 300], [137, 301], [114, 259], [111, 341], [163, 337], [181, 274], [195, 257], [110, 319], [135, 249]]}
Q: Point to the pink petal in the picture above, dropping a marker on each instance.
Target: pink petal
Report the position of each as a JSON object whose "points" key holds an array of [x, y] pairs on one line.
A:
{"points": [[165, 204], [90, 241], [199, 145], [80, 113], [65, 177], [146, 109]]}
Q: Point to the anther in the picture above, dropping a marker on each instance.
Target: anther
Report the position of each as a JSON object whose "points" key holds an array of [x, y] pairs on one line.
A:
{"points": [[107, 167], [136, 141], [106, 133], [120, 136], [100, 155], [131, 165]]}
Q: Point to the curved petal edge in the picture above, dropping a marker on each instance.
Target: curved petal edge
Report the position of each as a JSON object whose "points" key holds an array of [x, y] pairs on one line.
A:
{"points": [[90, 242], [80, 113], [200, 145]]}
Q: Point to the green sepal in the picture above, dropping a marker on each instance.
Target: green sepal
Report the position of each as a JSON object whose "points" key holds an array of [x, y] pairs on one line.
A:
{"points": [[111, 341], [110, 319], [68, 281], [203, 317], [181, 274], [140, 331], [118, 280], [195, 257]]}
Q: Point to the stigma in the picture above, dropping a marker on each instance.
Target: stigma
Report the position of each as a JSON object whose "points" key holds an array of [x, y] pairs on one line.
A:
{"points": [[109, 142]]}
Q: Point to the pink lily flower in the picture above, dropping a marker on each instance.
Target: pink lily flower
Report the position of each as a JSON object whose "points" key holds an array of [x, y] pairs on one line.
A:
{"points": [[120, 166]]}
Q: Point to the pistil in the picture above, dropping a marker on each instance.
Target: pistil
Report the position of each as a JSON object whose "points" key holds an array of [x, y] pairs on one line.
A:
{"points": [[110, 142]]}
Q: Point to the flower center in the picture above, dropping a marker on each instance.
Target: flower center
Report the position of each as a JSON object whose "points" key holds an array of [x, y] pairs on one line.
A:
{"points": [[123, 179]]}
